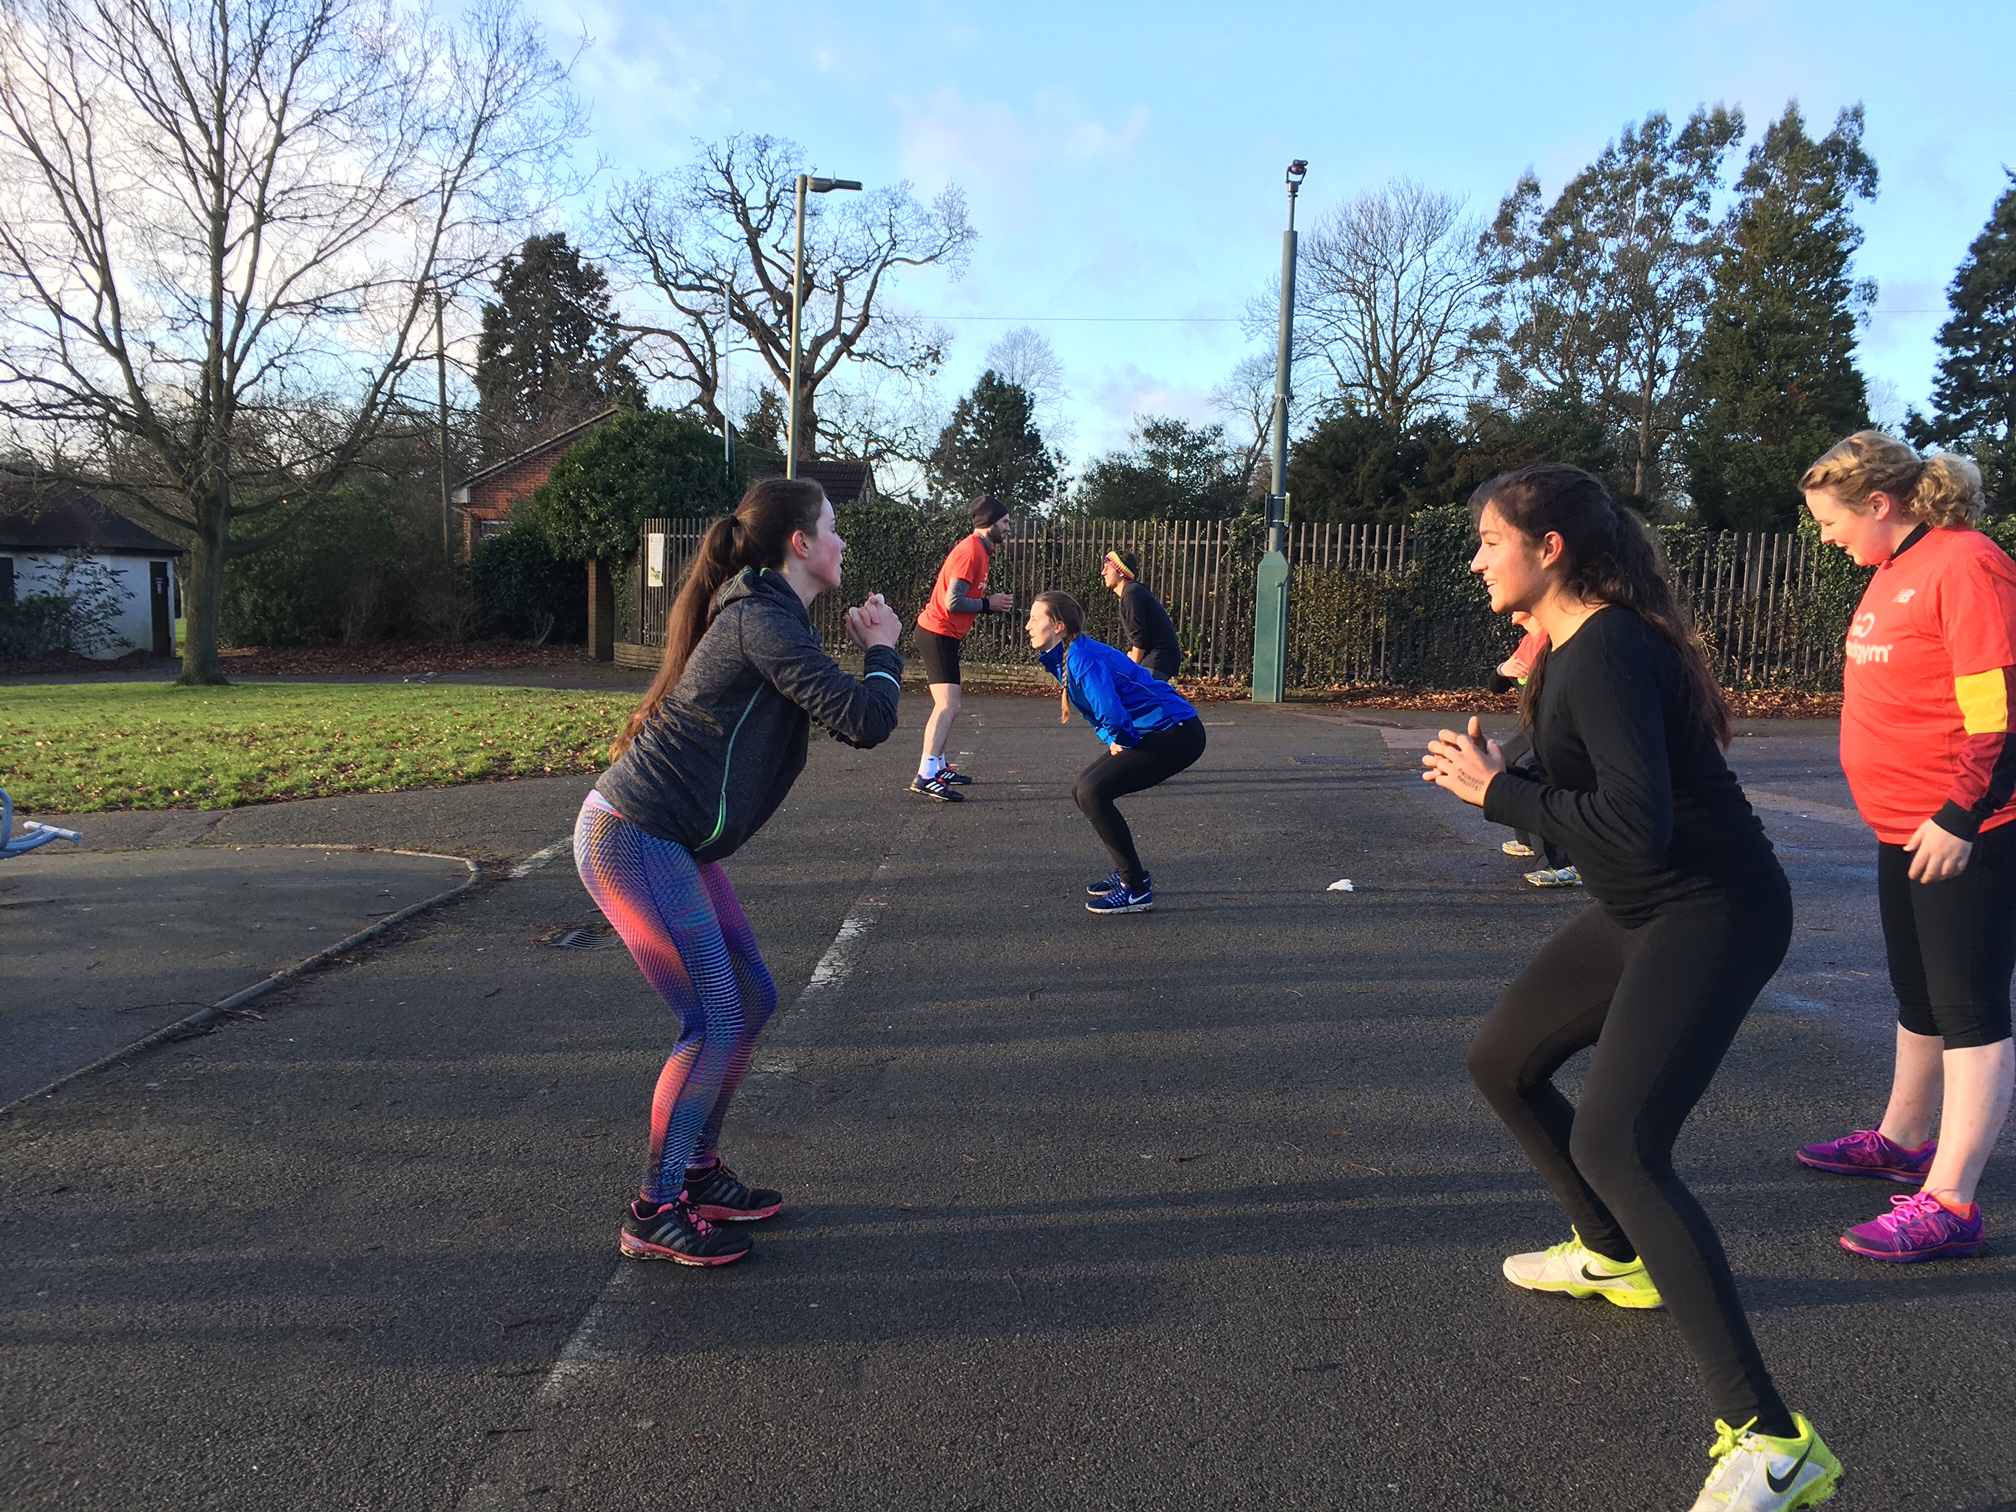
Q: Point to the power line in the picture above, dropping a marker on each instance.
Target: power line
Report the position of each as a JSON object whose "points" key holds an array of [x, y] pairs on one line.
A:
{"points": [[1099, 319]]}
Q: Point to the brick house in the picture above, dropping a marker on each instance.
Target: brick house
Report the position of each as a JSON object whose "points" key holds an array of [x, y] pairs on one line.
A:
{"points": [[486, 501]]}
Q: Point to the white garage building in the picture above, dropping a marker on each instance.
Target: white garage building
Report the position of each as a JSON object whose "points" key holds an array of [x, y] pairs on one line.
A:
{"points": [[42, 524]]}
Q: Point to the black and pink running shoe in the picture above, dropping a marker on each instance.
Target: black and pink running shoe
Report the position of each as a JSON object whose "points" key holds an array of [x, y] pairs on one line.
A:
{"points": [[674, 1231], [1867, 1152], [1919, 1227], [718, 1195]]}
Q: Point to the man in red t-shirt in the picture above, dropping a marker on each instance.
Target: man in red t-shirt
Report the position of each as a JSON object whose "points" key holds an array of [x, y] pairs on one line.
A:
{"points": [[957, 599]]}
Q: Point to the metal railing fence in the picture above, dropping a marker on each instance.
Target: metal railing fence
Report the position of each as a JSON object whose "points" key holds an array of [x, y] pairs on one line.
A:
{"points": [[1366, 606]]}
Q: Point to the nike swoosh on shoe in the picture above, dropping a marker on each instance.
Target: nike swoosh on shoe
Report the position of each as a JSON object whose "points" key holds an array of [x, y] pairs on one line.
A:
{"points": [[1779, 1485]]}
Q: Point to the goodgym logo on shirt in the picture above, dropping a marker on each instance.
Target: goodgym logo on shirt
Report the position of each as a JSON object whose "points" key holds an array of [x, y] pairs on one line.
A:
{"points": [[1859, 653]]}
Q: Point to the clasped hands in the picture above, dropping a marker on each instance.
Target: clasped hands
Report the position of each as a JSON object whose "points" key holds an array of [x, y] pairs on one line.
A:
{"points": [[873, 624], [1465, 763]]}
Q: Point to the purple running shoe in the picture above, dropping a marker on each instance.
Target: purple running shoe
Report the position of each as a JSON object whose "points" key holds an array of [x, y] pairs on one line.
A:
{"points": [[1918, 1227], [1868, 1153]]}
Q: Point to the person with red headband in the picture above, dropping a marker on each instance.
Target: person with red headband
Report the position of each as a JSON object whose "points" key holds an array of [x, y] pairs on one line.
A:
{"points": [[1147, 630]]}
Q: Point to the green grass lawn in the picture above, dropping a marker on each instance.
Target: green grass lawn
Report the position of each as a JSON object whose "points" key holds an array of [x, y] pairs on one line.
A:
{"points": [[80, 748]]}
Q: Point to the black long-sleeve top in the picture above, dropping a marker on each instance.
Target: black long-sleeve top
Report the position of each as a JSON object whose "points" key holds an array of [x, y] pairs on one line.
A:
{"points": [[1635, 788]]}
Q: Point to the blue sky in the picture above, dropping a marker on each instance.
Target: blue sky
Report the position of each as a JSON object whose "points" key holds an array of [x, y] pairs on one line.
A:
{"points": [[1126, 159]]}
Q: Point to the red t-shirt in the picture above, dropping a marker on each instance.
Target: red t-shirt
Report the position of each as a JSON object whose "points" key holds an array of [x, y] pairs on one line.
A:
{"points": [[968, 560], [1928, 688]]}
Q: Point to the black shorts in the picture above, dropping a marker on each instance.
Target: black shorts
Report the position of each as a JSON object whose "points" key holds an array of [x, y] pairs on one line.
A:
{"points": [[940, 655], [1952, 944]]}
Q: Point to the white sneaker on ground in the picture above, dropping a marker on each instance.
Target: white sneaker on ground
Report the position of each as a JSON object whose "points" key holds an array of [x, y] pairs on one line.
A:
{"points": [[1567, 876], [1571, 1267], [1756, 1473]]}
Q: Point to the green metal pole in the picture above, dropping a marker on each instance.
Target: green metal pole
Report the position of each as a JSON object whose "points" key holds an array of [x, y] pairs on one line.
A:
{"points": [[1270, 588]]}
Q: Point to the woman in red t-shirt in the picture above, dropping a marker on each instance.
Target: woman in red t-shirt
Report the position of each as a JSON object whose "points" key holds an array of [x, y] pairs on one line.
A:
{"points": [[1928, 749]]}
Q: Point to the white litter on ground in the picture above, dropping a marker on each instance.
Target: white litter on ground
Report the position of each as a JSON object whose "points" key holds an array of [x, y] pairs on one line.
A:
{"points": [[1342, 884]]}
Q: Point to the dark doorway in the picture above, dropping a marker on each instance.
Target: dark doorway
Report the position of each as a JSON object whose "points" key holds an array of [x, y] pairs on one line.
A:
{"points": [[164, 619]]}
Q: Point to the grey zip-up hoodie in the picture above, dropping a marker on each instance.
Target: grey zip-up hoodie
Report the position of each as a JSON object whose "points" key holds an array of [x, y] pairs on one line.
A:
{"points": [[716, 758]]}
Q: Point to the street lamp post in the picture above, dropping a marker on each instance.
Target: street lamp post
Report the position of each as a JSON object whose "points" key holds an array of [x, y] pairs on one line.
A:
{"points": [[1270, 602], [806, 183]]}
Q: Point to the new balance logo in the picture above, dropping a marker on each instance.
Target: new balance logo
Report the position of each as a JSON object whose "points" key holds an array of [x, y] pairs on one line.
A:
{"points": [[1904, 597]]}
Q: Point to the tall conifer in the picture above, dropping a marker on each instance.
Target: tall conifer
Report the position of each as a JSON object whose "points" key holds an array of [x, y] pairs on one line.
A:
{"points": [[1776, 366], [1974, 395]]}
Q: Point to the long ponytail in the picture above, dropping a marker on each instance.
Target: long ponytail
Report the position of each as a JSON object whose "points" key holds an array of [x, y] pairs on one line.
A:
{"points": [[756, 535], [1610, 557]]}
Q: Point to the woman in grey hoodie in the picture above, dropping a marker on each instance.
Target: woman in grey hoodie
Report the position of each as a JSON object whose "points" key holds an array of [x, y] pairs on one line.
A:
{"points": [[706, 758]]}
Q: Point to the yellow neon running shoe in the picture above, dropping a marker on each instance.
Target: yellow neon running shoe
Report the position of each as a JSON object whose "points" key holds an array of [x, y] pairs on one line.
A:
{"points": [[1757, 1473], [1572, 1267]]}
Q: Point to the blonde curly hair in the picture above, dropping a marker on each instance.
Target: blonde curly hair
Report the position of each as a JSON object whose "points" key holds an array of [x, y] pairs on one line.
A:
{"points": [[1943, 490]]}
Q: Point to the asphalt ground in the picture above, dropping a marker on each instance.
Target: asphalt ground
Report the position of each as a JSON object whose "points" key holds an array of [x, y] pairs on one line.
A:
{"points": [[102, 948], [1191, 1209]]}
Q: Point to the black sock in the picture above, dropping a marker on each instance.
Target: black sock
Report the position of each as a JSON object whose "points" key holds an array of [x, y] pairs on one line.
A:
{"points": [[1775, 1422]]}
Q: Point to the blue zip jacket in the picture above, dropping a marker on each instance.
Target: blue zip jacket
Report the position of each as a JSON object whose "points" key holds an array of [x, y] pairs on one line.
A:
{"points": [[1120, 700]]}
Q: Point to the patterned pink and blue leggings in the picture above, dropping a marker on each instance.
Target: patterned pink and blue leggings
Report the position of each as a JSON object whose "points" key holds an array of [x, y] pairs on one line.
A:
{"points": [[688, 934]]}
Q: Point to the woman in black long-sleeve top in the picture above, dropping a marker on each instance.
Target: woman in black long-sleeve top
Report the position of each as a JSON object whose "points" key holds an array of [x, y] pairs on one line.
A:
{"points": [[1693, 916]]}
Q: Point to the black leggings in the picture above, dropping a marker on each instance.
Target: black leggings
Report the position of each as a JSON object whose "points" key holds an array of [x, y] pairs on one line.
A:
{"points": [[1661, 1002], [1157, 758], [1952, 944]]}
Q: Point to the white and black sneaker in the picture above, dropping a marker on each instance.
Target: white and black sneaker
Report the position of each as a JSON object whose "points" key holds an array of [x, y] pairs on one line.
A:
{"points": [[1757, 1473], [935, 789]]}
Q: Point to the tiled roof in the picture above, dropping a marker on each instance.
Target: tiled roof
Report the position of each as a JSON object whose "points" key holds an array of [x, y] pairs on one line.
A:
{"points": [[566, 438], [46, 516]]}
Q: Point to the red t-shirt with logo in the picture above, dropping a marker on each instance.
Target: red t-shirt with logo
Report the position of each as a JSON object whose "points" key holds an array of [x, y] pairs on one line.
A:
{"points": [[1928, 688], [969, 561]]}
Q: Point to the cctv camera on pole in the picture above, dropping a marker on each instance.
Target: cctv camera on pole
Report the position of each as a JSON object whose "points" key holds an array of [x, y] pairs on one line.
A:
{"points": [[1270, 601]]}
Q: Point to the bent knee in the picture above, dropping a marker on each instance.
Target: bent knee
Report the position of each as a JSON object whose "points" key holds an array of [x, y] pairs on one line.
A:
{"points": [[1608, 1157]]}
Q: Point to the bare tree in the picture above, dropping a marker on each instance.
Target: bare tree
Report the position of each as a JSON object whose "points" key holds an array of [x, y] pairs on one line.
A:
{"points": [[1025, 358], [713, 242], [1246, 396], [1386, 297], [220, 226]]}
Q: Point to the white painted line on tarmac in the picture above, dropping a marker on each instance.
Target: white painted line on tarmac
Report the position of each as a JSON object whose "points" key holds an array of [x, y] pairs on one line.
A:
{"points": [[540, 858], [838, 963], [535, 1464], [1406, 740]]}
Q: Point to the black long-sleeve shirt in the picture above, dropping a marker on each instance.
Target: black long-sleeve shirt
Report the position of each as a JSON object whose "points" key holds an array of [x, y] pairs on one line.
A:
{"points": [[1147, 628], [1635, 788]]}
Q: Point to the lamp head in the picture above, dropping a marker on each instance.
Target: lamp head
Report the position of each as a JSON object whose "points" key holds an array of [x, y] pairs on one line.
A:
{"points": [[1297, 171], [827, 185]]}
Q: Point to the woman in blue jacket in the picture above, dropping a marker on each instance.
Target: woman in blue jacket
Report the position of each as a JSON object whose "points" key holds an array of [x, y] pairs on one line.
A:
{"points": [[1151, 734]]}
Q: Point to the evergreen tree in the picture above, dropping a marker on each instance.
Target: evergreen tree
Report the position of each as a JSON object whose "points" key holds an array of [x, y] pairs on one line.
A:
{"points": [[1174, 471], [644, 464], [763, 427], [547, 358], [1974, 395], [1351, 470], [992, 446], [1776, 367]]}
